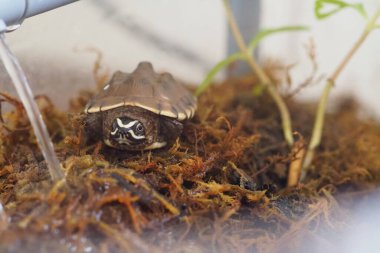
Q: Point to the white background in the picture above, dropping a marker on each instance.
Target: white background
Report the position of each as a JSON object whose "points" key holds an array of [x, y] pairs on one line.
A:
{"points": [[50, 46]]}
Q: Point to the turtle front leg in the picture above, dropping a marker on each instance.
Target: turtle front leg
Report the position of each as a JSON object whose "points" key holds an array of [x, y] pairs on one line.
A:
{"points": [[170, 129], [92, 125]]}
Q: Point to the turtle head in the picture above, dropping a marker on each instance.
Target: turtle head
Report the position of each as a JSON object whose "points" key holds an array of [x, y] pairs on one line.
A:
{"points": [[127, 131], [131, 128]]}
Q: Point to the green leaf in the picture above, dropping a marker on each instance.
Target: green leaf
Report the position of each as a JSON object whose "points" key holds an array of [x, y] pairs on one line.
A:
{"points": [[377, 26], [266, 32], [212, 73], [321, 8]]}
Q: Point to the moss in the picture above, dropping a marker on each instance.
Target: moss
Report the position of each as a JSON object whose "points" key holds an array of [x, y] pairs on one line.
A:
{"points": [[220, 187]]}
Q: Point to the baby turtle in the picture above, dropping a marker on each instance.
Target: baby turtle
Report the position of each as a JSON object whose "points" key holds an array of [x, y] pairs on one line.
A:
{"points": [[139, 111]]}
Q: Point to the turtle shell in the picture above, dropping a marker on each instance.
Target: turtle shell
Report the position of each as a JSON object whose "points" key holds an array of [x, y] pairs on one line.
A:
{"points": [[158, 93]]}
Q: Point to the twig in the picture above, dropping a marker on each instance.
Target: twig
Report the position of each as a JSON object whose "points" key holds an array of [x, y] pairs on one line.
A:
{"points": [[312, 78], [319, 118], [295, 167], [264, 79], [3, 219]]}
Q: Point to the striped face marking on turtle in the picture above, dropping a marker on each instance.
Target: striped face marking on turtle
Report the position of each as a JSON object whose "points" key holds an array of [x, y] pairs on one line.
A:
{"points": [[127, 131]]}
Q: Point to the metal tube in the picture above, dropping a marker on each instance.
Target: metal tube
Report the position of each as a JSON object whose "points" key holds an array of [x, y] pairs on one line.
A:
{"points": [[13, 12]]}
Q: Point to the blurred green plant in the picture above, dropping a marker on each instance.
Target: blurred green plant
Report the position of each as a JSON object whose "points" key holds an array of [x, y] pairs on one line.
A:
{"points": [[215, 70], [322, 9], [325, 8], [246, 54], [319, 118], [252, 45]]}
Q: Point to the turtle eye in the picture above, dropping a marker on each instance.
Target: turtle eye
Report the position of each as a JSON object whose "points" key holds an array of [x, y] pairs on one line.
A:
{"points": [[140, 128]]}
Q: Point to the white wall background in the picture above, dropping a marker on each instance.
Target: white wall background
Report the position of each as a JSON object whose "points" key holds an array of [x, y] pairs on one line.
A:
{"points": [[333, 38], [185, 38]]}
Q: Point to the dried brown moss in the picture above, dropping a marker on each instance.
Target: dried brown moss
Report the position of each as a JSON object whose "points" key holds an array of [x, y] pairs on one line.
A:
{"points": [[221, 187]]}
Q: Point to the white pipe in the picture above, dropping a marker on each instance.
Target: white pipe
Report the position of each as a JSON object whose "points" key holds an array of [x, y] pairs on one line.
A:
{"points": [[13, 12]]}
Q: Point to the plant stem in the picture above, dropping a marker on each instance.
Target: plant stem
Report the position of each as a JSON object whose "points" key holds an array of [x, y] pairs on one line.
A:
{"points": [[298, 152], [319, 118], [264, 79]]}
